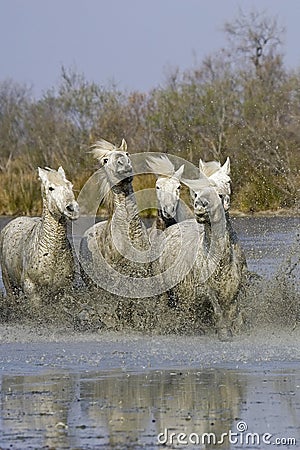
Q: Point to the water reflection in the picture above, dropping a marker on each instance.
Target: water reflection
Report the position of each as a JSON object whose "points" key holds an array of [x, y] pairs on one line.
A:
{"points": [[127, 410]]}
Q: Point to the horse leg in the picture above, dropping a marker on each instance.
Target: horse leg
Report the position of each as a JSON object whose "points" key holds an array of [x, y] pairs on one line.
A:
{"points": [[223, 324], [32, 295], [9, 286], [172, 298]]}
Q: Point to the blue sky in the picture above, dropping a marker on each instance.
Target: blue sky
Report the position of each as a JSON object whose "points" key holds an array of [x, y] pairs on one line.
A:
{"points": [[132, 42]]}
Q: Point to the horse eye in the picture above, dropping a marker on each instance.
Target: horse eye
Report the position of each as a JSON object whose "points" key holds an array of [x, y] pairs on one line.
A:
{"points": [[105, 160], [157, 187], [51, 188], [127, 154], [179, 187]]}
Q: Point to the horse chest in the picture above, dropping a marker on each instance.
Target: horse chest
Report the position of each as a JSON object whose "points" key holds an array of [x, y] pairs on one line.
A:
{"points": [[50, 268]]}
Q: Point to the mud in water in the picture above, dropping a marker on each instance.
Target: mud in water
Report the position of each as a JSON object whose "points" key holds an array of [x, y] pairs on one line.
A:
{"points": [[68, 380]]}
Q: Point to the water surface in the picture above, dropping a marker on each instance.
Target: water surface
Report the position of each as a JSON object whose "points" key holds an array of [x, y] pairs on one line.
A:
{"points": [[126, 390]]}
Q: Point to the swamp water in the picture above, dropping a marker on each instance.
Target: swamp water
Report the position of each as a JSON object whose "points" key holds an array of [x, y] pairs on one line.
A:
{"points": [[64, 389]]}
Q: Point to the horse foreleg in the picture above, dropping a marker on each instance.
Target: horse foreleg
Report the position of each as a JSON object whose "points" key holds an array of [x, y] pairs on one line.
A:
{"points": [[32, 295], [223, 321]]}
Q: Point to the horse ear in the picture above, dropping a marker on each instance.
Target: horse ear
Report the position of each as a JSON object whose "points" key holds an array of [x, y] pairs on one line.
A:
{"points": [[123, 145], [61, 172], [43, 176], [201, 165], [226, 166], [179, 172]]}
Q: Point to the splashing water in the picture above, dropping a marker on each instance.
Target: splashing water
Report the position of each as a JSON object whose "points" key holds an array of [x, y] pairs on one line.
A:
{"points": [[120, 389], [275, 300], [274, 297], [270, 297]]}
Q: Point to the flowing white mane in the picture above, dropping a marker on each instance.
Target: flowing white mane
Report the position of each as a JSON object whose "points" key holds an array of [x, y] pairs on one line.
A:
{"points": [[103, 148], [103, 184], [199, 184], [161, 165], [217, 174], [210, 167]]}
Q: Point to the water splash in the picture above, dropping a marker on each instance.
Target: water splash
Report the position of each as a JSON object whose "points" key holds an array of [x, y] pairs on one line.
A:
{"points": [[271, 300], [275, 300]]}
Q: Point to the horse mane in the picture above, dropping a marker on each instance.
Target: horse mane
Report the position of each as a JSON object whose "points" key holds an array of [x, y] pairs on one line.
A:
{"points": [[198, 184], [102, 181], [161, 165], [210, 167], [213, 170], [102, 148]]}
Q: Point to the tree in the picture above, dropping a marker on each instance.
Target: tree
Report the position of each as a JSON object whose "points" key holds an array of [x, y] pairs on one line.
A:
{"points": [[255, 37], [14, 102]]}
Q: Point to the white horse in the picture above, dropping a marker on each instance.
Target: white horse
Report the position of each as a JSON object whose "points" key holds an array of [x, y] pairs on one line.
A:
{"points": [[36, 256], [214, 272], [121, 237], [167, 191], [220, 175], [226, 280]]}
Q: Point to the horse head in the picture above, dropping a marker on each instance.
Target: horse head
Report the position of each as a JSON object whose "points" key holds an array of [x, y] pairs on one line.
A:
{"points": [[220, 176], [167, 184], [58, 196], [115, 161]]}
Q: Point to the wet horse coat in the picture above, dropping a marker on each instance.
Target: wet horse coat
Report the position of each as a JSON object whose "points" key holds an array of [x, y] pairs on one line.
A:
{"points": [[35, 252]]}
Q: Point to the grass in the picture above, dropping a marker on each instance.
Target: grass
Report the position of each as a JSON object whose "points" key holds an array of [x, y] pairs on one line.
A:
{"points": [[20, 192]]}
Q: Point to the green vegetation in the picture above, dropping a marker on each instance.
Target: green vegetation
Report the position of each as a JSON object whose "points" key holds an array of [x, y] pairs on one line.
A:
{"points": [[241, 102]]}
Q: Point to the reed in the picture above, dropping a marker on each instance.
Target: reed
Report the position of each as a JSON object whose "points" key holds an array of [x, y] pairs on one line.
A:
{"points": [[20, 194]]}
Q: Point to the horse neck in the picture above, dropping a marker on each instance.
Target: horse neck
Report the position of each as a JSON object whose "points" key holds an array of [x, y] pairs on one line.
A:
{"points": [[232, 234], [207, 234], [214, 252], [216, 229], [52, 233], [126, 216], [162, 223]]}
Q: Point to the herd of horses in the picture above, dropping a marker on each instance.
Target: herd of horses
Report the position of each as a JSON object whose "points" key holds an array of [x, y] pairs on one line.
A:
{"points": [[193, 262]]}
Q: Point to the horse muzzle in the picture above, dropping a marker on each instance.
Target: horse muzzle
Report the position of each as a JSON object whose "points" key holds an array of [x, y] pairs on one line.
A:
{"points": [[201, 214], [72, 210], [169, 213]]}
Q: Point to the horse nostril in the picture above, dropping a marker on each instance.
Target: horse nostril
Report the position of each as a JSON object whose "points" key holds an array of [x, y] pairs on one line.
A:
{"points": [[70, 207]]}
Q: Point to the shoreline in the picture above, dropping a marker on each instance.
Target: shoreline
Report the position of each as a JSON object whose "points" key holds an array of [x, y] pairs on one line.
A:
{"points": [[233, 213], [267, 213]]}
